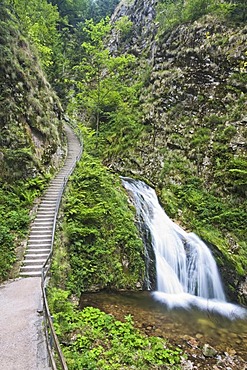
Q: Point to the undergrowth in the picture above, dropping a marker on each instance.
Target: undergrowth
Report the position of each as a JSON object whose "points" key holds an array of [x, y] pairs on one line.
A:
{"points": [[173, 13], [103, 248], [15, 204], [95, 340], [219, 221]]}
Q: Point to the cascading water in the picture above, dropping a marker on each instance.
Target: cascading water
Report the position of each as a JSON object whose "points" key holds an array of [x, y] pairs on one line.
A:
{"points": [[186, 272]]}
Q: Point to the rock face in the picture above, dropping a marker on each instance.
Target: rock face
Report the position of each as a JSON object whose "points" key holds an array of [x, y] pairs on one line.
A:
{"points": [[142, 15], [30, 113], [193, 109], [194, 97]]}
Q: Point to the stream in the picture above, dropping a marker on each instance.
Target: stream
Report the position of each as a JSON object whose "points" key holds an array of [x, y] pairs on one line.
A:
{"points": [[184, 300], [188, 329]]}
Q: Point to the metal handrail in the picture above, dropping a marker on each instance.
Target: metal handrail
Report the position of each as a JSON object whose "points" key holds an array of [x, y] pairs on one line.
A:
{"points": [[50, 334]]}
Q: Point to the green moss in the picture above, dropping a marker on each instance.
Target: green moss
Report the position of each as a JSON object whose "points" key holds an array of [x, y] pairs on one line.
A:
{"points": [[96, 340], [215, 220], [29, 110], [103, 246], [15, 203]]}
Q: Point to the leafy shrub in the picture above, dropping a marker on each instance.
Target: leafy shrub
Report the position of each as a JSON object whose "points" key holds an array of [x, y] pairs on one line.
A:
{"points": [[103, 245], [211, 217], [15, 203], [96, 340], [172, 13]]}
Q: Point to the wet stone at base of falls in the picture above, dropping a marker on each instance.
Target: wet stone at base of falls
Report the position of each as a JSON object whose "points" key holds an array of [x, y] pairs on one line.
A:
{"points": [[188, 330], [186, 272]]}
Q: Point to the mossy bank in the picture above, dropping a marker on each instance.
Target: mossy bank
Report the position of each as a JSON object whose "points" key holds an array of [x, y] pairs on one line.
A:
{"points": [[192, 144], [31, 138]]}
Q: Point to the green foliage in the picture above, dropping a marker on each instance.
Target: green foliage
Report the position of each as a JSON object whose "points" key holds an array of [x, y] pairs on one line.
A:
{"points": [[124, 27], [29, 110], [77, 11], [103, 246], [15, 203], [210, 216], [73, 10], [102, 8], [172, 13], [100, 78], [38, 21], [96, 340]]}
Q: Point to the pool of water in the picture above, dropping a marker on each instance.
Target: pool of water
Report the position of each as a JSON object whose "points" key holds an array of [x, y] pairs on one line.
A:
{"points": [[188, 328]]}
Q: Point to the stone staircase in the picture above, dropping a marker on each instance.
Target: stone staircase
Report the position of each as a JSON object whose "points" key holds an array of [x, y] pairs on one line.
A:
{"points": [[40, 237]]}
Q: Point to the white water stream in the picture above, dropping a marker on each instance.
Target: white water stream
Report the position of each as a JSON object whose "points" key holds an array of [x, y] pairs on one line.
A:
{"points": [[186, 272]]}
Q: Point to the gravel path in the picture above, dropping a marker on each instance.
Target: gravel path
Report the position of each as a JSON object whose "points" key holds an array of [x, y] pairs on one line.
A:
{"points": [[22, 342]]}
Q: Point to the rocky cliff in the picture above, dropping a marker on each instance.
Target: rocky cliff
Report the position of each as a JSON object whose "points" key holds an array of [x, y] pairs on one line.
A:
{"points": [[193, 147], [30, 113]]}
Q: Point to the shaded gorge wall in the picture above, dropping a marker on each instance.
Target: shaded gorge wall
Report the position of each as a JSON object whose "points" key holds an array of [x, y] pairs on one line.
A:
{"points": [[192, 148]]}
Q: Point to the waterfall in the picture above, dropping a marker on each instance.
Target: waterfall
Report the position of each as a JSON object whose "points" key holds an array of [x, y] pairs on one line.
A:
{"points": [[186, 272]]}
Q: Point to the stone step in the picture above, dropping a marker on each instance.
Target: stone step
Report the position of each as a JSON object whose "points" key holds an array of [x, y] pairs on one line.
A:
{"points": [[53, 189], [48, 202], [43, 218], [31, 268], [45, 212], [44, 209], [33, 262], [43, 233], [56, 184], [30, 273], [51, 196], [39, 241], [35, 250], [37, 256], [49, 205], [42, 222], [42, 228], [42, 245], [54, 193], [57, 181], [38, 250]]}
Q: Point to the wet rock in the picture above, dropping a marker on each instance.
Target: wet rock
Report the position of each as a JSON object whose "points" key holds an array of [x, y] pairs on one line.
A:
{"points": [[193, 343], [199, 336], [208, 351], [231, 351], [187, 364]]}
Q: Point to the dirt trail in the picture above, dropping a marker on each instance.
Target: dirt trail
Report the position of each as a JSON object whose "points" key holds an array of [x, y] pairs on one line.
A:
{"points": [[22, 342]]}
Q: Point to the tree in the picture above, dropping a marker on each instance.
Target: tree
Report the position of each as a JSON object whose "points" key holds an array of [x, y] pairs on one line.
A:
{"points": [[75, 11], [100, 78], [102, 8], [38, 21]]}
